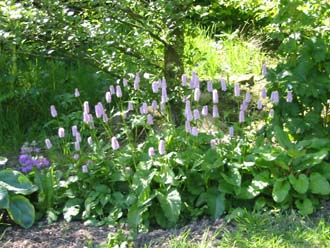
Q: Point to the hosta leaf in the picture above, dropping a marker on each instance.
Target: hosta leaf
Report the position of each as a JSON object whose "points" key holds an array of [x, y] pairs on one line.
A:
{"points": [[71, 209], [170, 204], [299, 184], [16, 182], [3, 160], [215, 202], [319, 184], [21, 211], [280, 190], [305, 206], [4, 198]]}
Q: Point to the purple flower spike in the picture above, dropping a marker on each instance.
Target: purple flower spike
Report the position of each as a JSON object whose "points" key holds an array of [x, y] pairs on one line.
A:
{"points": [[197, 94], [85, 117], [78, 137], [271, 113], [274, 97], [76, 92], [151, 151], [215, 112], [194, 131], [77, 146], [137, 81], [144, 109], [244, 106], [264, 70], [86, 107], [48, 144], [263, 93], [196, 114], [236, 90], [114, 143], [247, 97], [189, 115], [112, 90], [205, 110], [108, 97], [90, 141], [289, 97], [119, 93], [223, 85], [76, 156], [241, 116], [259, 105], [209, 86], [163, 83], [150, 120], [99, 110], [84, 168], [74, 130], [53, 111], [231, 131], [187, 127], [154, 105], [155, 87], [105, 117], [164, 95], [130, 106], [61, 132], [125, 82], [161, 147], [24, 159], [215, 96], [184, 79]]}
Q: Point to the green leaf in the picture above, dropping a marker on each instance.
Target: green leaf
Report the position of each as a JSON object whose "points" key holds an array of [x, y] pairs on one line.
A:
{"points": [[4, 198], [215, 202], [21, 211], [71, 209], [170, 204], [16, 182], [282, 137], [233, 177], [280, 190], [305, 206], [318, 184], [3, 160], [301, 184], [133, 216]]}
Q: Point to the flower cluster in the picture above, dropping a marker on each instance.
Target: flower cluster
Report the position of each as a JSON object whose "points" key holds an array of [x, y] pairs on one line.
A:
{"points": [[30, 156]]}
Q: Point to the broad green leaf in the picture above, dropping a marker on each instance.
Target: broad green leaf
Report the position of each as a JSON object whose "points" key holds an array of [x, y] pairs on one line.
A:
{"points": [[280, 190], [282, 137], [300, 184], [71, 209], [16, 182], [133, 216], [4, 198], [21, 211], [215, 202], [318, 184], [233, 177], [195, 183], [170, 204], [305, 206]]}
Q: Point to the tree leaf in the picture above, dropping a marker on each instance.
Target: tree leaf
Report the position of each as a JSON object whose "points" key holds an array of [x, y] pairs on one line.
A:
{"points": [[319, 184], [301, 184], [21, 211], [280, 190]]}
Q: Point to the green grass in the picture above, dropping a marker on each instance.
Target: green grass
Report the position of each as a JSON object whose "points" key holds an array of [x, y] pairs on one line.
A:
{"points": [[277, 230]]}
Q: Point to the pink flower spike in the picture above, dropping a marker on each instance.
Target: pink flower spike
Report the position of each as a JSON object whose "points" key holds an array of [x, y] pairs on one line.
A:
{"points": [[86, 107], [247, 97], [184, 79], [223, 85], [187, 127], [231, 131], [263, 93], [78, 137], [108, 97], [114, 143], [154, 105], [61, 132], [76, 92], [90, 140], [161, 147], [119, 93], [48, 144], [244, 106], [194, 131], [151, 151], [99, 110], [197, 94], [155, 87], [130, 106], [105, 117], [189, 115], [209, 86], [53, 111], [164, 95], [112, 90], [274, 97], [77, 146], [205, 110], [76, 156], [144, 109], [85, 117], [215, 96], [236, 90], [215, 112], [271, 113], [241, 116], [196, 114], [213, 143], [289, 97], [150, 120], [259, 105], [264, 70], [137, 81]]}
